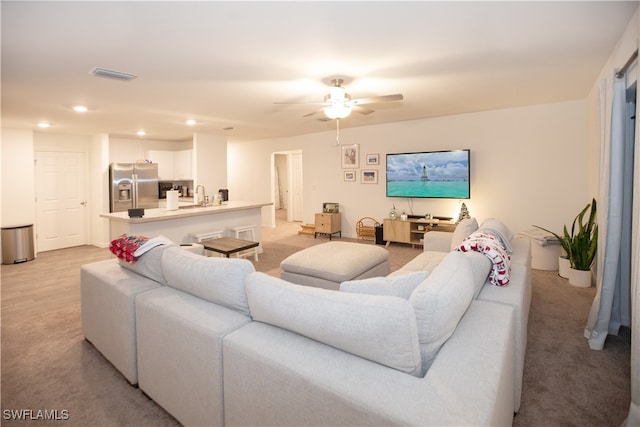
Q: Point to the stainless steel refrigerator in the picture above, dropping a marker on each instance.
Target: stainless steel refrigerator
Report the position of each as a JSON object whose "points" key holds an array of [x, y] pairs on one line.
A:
{"points": [[133, 185]]}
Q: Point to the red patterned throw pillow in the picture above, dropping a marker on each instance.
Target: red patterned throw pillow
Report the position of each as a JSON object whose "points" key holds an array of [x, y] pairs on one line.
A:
{"points": [[124, 247]]}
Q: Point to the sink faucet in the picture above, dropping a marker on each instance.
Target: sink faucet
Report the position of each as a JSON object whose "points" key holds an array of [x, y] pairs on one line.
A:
{"points": [[203, 200]]}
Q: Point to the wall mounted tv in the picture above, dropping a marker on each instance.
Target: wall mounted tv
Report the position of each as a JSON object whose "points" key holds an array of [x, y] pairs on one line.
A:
{"points": [[430, 174]]}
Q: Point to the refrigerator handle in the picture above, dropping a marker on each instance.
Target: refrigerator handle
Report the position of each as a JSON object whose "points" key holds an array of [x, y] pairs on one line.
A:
{"points": [[134, 195]]}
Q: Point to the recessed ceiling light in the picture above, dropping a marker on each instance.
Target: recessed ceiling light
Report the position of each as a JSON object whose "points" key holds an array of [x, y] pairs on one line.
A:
{"points": [[141, 133], [44, 125], [80, 108], [190, 122]]}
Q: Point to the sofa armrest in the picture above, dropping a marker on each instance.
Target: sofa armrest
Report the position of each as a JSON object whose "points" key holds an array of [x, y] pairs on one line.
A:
{"points": [[437, 241]]}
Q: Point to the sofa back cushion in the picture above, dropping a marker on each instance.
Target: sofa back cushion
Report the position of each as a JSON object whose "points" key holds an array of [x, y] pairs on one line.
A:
{"points": [[378, 328], [149, 264], [440, 302], [219, 280], [463, 229], [499, 230], [393, 286], [481, 267]]}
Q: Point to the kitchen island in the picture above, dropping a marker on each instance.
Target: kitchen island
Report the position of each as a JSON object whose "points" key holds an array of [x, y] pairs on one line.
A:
{"points": [[178, 225]]}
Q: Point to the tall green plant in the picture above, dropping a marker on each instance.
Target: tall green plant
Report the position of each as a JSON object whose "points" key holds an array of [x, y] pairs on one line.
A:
{"points": [[584, 241], [581, 244]]}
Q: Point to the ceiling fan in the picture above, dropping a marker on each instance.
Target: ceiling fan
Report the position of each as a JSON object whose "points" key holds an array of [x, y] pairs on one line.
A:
{"points": [[339, 105]]}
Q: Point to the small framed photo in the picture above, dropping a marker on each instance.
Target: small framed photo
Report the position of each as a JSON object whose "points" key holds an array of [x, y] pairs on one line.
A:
{"points": [[350, 176], [369, 176], [373, 159], [350, 156]]}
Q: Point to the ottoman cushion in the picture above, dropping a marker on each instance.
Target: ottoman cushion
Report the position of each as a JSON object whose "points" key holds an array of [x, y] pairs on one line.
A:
{"points": [[335, 262]]}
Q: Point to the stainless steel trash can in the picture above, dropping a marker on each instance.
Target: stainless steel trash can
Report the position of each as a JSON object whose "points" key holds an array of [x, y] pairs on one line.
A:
{"points": [[17, 244]]}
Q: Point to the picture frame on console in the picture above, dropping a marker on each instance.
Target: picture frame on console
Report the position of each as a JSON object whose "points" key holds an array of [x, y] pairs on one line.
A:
{"points": [[369, 176], [350, 156], [350, 176]]}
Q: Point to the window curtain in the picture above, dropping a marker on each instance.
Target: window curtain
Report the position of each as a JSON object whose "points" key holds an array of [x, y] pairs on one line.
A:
{"points": [[618, 262], [611, 306], [633, 418]]}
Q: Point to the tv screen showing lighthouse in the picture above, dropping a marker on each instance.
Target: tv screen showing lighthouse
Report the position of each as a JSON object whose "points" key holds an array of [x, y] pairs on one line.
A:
{"points": [[433, 174]]}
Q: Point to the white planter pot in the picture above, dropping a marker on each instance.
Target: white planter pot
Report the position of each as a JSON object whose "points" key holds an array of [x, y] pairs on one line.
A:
{"points": [[580, 278], [563, 267]]}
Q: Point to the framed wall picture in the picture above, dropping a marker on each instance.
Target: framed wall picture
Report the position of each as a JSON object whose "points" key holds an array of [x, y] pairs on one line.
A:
{"points": [[373, 159], [350, 156], [369, 176], [350, 176]]}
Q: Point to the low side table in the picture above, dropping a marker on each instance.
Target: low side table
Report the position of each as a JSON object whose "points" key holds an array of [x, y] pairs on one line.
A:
{"points": [[228, 245]]}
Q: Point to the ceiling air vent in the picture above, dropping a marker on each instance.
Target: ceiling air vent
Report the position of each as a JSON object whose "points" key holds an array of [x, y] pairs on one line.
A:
{"points": [[118, 75]]}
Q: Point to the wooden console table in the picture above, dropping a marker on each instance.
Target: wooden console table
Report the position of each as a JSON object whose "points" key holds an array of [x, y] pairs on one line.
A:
{"points": [[412, 230]]}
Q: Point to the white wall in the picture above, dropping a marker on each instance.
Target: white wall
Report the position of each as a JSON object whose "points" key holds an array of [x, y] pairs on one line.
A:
{"points": [[528, 166], [18, 178], [210, 162], [99, 190]]}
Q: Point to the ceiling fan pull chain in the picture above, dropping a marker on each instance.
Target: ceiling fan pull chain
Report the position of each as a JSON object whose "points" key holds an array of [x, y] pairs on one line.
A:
{"points": [[337, 131]]}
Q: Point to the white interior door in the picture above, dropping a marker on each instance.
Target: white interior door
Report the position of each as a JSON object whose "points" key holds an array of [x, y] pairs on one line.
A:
{"points": [[60, 200], [295, 187]]}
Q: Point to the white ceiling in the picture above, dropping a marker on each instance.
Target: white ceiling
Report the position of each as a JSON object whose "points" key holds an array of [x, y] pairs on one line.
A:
{"points": [[227, 63]]}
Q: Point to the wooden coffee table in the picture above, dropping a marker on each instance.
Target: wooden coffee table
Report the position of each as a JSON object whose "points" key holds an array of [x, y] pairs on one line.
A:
{"points": [[228, 245]]}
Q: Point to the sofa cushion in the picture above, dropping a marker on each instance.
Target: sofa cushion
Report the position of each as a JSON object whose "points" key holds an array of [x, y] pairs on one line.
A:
{"points": [[440, 301], [481, 267], [499, 230], [219, 280], [425, 261], [463, 229], [149, 264], [394, 286], [378, 328]]}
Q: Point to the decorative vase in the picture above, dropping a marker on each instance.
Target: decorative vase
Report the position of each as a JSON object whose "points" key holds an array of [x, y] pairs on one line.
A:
{"points": [[563, 267], [393, 214], [580, 278]]}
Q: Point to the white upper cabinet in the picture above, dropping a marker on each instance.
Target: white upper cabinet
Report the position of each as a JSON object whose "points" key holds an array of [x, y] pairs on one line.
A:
{"points": [[182, 169], [172, 165]]}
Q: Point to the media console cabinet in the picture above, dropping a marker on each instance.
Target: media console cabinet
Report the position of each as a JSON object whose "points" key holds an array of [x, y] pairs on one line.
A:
{"points": [[412, 230]]}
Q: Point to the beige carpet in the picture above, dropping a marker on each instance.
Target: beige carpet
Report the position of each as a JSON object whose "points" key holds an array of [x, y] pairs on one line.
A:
{"points": [[47, 365]]}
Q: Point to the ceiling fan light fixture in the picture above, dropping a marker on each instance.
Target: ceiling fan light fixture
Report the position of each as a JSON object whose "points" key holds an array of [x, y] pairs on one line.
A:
{"points": [[337, 111], [337, 94]]}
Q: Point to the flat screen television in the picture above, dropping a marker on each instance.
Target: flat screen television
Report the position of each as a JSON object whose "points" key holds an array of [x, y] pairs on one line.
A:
{"points": [[429, 174]]}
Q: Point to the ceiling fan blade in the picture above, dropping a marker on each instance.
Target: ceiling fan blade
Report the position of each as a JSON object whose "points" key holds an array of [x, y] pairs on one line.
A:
{"points": [[312, 113], [362, 110], [300, 103], [375, 99]]}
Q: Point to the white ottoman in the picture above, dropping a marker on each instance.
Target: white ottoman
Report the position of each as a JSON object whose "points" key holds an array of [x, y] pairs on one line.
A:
{"points": [[329, 264]]}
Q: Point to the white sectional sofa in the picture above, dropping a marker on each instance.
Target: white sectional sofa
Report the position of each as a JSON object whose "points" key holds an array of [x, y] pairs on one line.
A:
{"points": [[217, 343]]}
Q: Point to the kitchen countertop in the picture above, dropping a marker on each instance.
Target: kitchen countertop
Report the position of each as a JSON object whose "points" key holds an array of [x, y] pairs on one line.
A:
{"points": [[162, 214]]}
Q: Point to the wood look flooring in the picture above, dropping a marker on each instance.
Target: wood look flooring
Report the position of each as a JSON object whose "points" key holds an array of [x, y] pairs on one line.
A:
{"points": [[46, 283]]}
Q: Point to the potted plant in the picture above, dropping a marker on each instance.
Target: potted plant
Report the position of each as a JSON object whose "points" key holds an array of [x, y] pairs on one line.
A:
{"points": [[580, 245], [564, 264], [584, 243]]}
